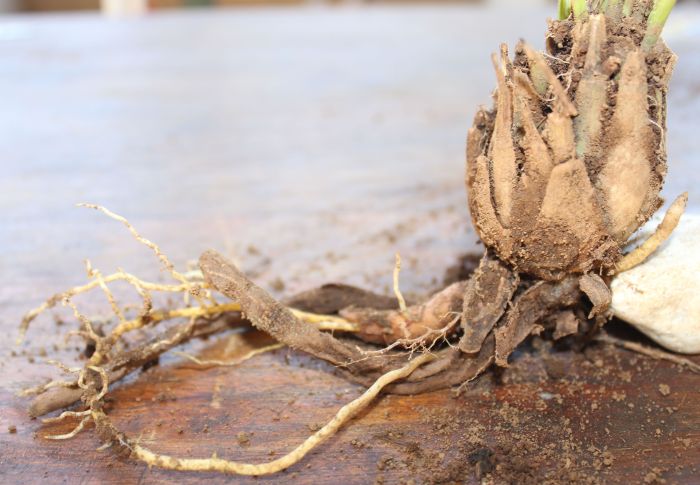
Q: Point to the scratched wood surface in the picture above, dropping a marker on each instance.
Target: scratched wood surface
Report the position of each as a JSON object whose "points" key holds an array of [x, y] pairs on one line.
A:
{"points": [[309, 145]]}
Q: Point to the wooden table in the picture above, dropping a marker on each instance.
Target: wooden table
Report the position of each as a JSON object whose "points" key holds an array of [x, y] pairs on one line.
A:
{"points": [[308, 144]]}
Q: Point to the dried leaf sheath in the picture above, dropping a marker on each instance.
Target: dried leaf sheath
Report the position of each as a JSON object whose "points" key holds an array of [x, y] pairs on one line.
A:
{"points": [[571, 160]]}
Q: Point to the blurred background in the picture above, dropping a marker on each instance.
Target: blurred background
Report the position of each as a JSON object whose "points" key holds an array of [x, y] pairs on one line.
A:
{"points": [[136, 6], [308, 140]]}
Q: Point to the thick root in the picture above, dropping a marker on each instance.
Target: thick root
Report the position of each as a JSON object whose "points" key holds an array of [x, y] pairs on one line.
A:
{"points": [[422, 324]]}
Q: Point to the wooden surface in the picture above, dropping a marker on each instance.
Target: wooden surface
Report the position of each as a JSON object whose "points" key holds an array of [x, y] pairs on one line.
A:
{"points": [[309, 145]]}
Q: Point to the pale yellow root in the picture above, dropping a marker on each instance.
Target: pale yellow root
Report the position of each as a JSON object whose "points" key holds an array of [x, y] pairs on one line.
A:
{"points": [[208, 307], [669, 223], [397, 291], [193, 289], [229, 363], [33, 391], [66, 414], [191, 312], [326, 322], [95, 273], [346, 413], [188, 283], [77, 290], [153, 246], [72, 434], [87, 415]]}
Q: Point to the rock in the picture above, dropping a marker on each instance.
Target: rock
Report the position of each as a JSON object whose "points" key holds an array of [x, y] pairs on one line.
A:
{"points": [[661, 297]]}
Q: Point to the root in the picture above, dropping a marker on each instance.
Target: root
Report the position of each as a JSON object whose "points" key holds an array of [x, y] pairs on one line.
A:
{"points": [[270, 316], [492, 330], [668, 224], [424, 342], [397, 291], [657, 354], [418, 324], [486, 297], [73, 433], [66, 414], [77, 290], [33, 391], [326, 322], [151, 245], [451, 367], [203, 364], [207, 318], [68, 392], [345, 414]]}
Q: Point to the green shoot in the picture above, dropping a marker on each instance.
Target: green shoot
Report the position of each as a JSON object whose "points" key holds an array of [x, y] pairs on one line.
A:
{"points": [[656, 21], [580, 8], [564, 9]]}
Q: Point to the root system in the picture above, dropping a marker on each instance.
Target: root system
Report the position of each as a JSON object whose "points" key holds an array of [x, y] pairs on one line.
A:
{"points": [[560, 173]]}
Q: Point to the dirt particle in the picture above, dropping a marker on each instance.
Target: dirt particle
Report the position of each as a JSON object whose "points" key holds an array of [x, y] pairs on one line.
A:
{"points": [[243, 439], [608, 458], [619, 396], [654, 476], [277, 285], [387, 463], [664, 389], [482, 460], [12, 429]]}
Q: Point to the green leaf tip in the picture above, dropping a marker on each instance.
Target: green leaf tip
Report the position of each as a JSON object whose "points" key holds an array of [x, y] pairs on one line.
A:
{"points": [[564, 9]]}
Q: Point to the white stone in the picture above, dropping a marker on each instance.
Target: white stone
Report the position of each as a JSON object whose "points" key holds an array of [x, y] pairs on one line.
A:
{"points": [[661, 297]]}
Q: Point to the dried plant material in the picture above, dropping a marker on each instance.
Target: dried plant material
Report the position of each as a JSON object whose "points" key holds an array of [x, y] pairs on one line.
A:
{"points": [[333, 297], [57, 397], [269, 315], [450, 367], [479, 314], [566, 323], [530, 308], [563, 195], [598, 292], [560, 173]]}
